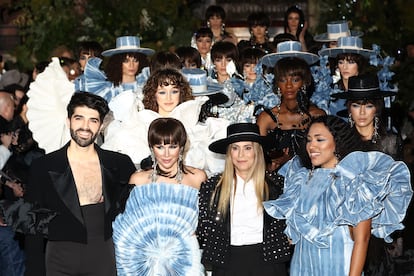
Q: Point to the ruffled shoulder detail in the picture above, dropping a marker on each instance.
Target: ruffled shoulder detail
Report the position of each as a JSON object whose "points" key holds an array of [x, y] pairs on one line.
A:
{"points": [[48, 96], [188, 111], [155, 234], [364, 185], [93, 79], [373, 186], [294, 175]]}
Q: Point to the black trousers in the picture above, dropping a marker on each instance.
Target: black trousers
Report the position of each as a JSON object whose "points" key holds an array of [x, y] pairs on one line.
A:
{"points": [[97, 258], [247, 260]]}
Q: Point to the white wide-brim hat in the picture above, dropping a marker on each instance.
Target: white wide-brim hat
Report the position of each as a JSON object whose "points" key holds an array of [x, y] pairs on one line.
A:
{"points": [[335, 30], [288, 49], [347, 45], [128, 44]]}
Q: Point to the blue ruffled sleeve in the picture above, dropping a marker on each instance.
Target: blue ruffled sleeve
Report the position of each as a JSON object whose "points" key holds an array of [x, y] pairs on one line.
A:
{"points": [[294, 174], [364, 185], [94, 80], [375, 187]]}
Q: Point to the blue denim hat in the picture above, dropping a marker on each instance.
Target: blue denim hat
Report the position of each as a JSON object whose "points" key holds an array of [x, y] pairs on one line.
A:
{"points": [[128, 44], [347, 45], [335, 30], [288, 49]]}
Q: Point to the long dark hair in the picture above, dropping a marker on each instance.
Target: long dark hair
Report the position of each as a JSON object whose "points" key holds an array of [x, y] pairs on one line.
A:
{"points": [[294, 9], [113, 68]]}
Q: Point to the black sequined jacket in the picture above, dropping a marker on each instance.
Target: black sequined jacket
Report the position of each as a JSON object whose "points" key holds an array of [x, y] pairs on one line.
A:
{"points": [[213, 231]]}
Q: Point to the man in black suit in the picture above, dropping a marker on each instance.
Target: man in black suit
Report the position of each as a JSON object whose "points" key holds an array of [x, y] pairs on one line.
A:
{"points": [[84, 185]]}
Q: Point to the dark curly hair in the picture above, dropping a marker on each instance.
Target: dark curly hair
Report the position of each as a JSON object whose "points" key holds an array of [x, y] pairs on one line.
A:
{"points": [[165, 77], [346, 139], [113, 68]]}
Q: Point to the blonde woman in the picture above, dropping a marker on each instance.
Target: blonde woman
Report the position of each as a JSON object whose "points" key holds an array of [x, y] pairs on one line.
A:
{"points": [[236, 236]]}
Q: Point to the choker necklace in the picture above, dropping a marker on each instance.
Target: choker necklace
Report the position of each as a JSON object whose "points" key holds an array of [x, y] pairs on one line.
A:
{"points": [[296, 110]]}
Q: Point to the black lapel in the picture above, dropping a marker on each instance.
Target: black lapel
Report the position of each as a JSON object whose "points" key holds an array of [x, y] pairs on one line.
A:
{"points": [[65, 187]]}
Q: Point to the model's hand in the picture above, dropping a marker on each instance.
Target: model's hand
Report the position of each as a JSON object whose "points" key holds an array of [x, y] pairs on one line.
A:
{"points": [[16, 187], [302, 37]]}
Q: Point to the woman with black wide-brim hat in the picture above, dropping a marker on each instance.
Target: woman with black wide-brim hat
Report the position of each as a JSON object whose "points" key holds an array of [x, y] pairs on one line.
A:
{"points": [[236, 235], [365, 106]]}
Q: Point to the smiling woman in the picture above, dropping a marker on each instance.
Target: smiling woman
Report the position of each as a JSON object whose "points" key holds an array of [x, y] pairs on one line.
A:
{"points": [[332, 184], [161, 211], [236, 236]]}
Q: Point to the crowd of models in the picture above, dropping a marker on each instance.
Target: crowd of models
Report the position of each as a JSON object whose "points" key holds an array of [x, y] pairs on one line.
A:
{"points": [[267, 156]]}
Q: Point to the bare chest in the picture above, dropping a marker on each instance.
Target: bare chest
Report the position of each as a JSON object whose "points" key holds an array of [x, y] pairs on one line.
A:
{"points": [[88, 181]]}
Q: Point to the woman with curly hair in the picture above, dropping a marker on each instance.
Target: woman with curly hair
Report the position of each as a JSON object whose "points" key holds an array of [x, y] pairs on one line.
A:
{"points": [[165, 90], [167, 93], [335, 196]]}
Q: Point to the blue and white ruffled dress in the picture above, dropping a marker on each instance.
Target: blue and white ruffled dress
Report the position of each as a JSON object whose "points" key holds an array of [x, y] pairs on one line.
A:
{"points": [[155, 233], [319, 207]]}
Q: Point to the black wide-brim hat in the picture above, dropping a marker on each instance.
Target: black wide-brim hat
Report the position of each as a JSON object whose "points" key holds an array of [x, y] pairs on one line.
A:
{"points": [[240, 132], [363, 87]]}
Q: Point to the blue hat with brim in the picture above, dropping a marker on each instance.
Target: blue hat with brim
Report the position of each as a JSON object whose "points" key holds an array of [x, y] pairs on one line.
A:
{"points": [[347, 45], [335, 30], [128, 44], [200, 86], [288, 49]]}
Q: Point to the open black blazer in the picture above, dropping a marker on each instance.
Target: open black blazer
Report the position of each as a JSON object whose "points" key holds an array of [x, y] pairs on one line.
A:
{"points": [[51, 185]]}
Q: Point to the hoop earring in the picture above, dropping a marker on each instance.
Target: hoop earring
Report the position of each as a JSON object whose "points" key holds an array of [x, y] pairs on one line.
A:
{"points": [[179, 175], [350, 120], [222, 28], [154, 174], [375, 135], [208, 24]]}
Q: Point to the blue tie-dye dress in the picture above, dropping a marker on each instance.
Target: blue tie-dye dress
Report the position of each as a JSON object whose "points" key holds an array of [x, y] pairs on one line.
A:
{"points": [[319, 206], [155, 234]]}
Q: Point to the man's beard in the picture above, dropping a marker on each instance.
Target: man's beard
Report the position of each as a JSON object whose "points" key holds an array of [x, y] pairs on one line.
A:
{"points": [[81, 141]]}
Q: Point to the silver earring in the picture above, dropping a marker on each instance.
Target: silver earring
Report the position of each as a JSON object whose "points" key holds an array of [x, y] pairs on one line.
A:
{"points": [[375, 135], [179, 175], [303, 89], [311, 172], [350, 120], [153, 174], [278, 93], [208, 24], [222, 27]]}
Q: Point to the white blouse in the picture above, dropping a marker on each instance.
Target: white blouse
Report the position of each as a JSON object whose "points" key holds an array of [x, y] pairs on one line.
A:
{"points": [[246, 219]]}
